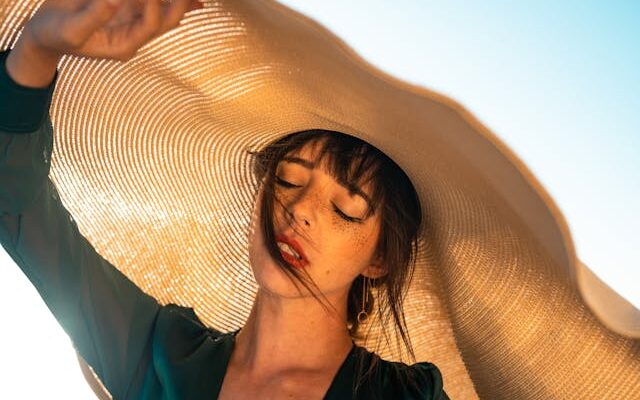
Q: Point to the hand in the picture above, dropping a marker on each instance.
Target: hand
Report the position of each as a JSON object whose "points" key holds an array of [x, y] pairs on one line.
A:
{"points": [[101, 29]]}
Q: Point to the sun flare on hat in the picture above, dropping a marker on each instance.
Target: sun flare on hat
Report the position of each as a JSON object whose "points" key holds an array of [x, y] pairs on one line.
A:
{"points": [[150, 158]]}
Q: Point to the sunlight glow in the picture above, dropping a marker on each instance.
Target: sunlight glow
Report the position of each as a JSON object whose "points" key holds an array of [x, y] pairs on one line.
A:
{"points": [[562, 94]]}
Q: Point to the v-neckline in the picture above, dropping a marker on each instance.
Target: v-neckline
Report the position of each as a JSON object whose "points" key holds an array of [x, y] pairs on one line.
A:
{"points": [[340, 383]]}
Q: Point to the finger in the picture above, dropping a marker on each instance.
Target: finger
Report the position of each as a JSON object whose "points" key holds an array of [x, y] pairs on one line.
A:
{"points": [[195, 5], [148, 26], [175, 12], [94, 15]]}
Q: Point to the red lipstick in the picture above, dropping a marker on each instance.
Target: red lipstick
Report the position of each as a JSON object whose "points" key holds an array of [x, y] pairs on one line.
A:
{"points": [[298, 263]]}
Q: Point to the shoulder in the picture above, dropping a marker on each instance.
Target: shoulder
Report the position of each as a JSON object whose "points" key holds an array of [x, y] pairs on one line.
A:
{"points": [[421, 380], [180, 324], [180, 335], [429, 380], [187, 354]]}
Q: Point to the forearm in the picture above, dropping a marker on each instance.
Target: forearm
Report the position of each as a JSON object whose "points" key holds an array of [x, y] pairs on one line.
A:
{"points": [[109, 318], [25, 151], [31, 66]]}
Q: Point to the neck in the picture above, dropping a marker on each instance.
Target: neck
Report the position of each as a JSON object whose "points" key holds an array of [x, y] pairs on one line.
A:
{"points": [[283, 335]]}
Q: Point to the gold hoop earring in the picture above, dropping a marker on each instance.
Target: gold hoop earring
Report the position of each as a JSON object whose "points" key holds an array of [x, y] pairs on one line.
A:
{"points": [[363, 315]]}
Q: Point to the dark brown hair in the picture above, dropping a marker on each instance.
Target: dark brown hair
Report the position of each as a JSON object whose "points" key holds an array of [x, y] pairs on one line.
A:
{"points": [[353, 161]]}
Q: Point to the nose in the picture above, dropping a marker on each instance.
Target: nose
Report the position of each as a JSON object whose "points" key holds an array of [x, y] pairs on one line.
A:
{"points": [[303, 208]]}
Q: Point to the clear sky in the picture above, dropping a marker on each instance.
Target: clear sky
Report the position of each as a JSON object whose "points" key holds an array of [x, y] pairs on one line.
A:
{"points": [[557, 81]]}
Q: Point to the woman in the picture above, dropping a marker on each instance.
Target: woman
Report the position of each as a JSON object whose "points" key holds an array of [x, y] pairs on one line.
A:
{"points": [[332, 213], [500, 300]]}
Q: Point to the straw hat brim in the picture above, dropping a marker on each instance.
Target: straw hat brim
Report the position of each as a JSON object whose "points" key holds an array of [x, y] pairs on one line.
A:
{"points": [[150, 158]]}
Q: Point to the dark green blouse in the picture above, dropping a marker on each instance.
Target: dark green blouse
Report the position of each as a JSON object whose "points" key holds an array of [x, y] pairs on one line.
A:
{"points": [[139, 348]]}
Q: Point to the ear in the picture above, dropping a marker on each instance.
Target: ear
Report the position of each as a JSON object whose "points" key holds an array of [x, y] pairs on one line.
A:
{"points": [[376, 269]]}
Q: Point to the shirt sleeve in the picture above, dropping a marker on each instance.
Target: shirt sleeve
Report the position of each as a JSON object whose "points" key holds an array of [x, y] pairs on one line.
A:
{"points": [[109, 319], [430, 381]]}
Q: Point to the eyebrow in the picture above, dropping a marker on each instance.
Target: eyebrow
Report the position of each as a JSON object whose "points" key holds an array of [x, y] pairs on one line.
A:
{"points": [[352, 188]]}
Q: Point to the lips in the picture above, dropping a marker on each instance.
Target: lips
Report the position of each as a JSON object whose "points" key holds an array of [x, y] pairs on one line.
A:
{"points": [[291, 259]]}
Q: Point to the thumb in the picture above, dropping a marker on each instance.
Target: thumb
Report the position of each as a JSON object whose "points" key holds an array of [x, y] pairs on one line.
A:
{"points": [[195, 5], [97, 13]]}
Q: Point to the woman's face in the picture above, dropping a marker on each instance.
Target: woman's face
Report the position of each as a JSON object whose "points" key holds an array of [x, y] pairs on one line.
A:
{"points": [[337, 249]]}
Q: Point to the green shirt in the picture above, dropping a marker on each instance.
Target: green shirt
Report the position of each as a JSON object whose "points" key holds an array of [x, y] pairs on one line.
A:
{"points": [[139, 348]]}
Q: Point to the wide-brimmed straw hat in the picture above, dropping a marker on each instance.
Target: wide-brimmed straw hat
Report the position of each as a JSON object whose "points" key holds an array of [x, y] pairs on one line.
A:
{"points": [[150, 158]]}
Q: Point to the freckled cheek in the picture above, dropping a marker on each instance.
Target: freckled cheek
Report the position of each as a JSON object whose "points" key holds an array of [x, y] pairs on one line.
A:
{"points": [[361, 238], [358, 235], [353, 237], [347, 231], [348, 251]]}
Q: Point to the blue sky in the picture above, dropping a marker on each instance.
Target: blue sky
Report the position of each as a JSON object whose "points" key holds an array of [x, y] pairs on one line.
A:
{"points": [[557, 81]]}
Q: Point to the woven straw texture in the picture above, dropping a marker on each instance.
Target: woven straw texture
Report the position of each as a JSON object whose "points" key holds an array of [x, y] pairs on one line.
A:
{"points": [[150, 158]]}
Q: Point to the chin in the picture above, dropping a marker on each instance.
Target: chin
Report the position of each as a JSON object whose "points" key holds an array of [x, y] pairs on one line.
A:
{"points": [[269, 275], [266, 271]]}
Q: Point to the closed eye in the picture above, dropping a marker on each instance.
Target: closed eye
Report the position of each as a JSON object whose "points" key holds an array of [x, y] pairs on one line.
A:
{"points": [[345, 216], [342, 215], [284, 183]]}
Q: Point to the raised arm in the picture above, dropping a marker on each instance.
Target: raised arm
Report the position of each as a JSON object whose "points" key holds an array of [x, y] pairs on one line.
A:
{"points": [[108, 318]]}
